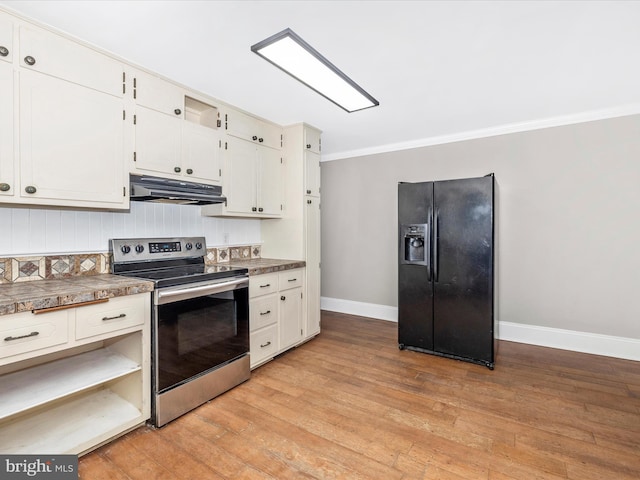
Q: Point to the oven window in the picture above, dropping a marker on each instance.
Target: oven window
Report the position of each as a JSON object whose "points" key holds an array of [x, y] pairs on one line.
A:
{"points": [[200, 334]]}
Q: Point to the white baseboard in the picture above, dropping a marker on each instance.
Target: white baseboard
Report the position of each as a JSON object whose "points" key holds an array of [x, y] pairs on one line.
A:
{"points": [[607, 345]]}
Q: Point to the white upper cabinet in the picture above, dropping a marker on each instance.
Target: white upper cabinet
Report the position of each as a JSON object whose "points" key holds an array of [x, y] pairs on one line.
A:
{"points": [[312, 140], [71, 144], [252, 129], [158, 137], [158, 94], [311, 173], [7, 181], [71, 125], [46, 52], [176, 136], [200, 152], [6, 39]]}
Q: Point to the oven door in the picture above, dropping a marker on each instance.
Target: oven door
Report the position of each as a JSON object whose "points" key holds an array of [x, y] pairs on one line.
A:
{"points": [[198, 328]]}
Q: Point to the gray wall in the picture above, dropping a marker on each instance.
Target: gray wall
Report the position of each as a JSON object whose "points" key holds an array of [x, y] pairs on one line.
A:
{"points": [[569, 222]]}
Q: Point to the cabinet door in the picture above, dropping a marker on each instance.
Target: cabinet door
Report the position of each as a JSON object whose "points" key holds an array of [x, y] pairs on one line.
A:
{"points": [[240, 176], [6, 39], [270, 184], [290, 317], [312, 140], [158, 94], [200, 152], [312, 257], [241, 125], [7, 181], [252, 129], [71, 143], [270, 134], [311, 174], [157, 142], [55, 55]]}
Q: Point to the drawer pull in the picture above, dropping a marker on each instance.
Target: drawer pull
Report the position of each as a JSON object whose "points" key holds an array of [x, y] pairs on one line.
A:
{"points": [[266, 344], [265, 313], [292, 280], [122, 315], [32, 334], [265, 286]]}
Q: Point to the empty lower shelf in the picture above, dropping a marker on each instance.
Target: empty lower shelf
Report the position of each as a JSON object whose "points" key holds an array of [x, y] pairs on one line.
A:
{"points": [[71, 427], [38, 385]]}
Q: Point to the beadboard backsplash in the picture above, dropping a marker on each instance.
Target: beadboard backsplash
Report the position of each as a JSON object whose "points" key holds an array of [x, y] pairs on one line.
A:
{"points": [[29, 231]]}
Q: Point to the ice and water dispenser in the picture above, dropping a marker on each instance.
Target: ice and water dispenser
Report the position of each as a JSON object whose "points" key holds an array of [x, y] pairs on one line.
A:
{"points": [[413, 240]]}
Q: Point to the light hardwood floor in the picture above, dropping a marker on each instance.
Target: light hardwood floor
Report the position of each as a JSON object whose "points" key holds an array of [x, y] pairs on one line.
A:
{"points": [[350, 405]]}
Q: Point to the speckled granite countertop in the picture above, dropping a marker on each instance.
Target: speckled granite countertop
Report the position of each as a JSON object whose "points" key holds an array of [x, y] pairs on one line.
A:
{"points": [[38, 294], [258, 266]]}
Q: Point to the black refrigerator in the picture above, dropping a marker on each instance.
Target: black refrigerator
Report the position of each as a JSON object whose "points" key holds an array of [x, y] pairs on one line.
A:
{"points": [[446, 268]]}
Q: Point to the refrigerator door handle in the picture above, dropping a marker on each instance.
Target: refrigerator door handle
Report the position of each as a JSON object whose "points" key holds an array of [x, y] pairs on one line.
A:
{"points": [[428, 245], [435, 246]]}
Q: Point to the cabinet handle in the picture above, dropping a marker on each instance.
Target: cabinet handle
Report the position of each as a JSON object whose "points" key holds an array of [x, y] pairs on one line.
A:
{"points": [[265, 286], [283, 298], [266, 344], [177, 169], [292, 280], [265, 313], [253, 209], [254, 138], [4, 51], [29, 60], [122, 315], [5, 187], [308, 192], [308, 145], [30, 189], [261, 209], [309, 202], [177, 111], [261, 139], [32, 334], [189, 171]]}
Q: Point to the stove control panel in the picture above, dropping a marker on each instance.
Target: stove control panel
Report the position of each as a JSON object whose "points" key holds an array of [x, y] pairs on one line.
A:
{"points": [[145, 249]]}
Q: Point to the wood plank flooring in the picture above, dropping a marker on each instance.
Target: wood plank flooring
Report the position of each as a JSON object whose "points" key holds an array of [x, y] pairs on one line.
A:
{"points": [[350, 405]]}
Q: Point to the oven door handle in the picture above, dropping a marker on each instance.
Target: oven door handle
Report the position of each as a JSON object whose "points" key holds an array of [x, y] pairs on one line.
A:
{"points": [[169, 296]]}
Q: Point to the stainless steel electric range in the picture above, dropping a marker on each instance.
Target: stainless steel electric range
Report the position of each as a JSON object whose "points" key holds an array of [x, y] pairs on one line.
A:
{"points": [[200, 321]]}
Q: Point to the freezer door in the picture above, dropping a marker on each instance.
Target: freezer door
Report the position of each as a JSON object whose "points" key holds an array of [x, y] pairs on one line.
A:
{"points": [[415, 289], [463, 268]]}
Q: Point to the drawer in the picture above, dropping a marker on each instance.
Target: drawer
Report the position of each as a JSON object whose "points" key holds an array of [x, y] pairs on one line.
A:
{"points": [[263, 284], [264, 344], [263, 311], [116, 314], [290, 279], [27, 332]]}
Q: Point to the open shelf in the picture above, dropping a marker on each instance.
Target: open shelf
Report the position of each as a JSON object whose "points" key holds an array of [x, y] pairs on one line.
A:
{"points": [[29, 388], [200, 113], [70, 427]]}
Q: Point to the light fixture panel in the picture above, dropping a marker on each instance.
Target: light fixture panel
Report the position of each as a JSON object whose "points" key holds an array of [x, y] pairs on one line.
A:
{"points": [[290, 53]]}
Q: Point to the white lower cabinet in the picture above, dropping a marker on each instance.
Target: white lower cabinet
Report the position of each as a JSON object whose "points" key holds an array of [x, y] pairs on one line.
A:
{"points": [[276, 313], [73, 379]]}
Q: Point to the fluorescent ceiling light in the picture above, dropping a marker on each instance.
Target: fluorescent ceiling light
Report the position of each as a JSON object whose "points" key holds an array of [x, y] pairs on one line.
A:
{"points": [[290, 53]]}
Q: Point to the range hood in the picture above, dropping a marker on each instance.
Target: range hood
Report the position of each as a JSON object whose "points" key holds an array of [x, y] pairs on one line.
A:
{"points": [[145, 188]]}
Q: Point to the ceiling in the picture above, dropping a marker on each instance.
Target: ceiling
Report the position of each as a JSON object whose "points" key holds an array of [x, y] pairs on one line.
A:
{"points": [[440, 70]]}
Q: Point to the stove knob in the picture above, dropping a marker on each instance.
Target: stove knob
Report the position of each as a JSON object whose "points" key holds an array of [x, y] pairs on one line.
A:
{"points": [[139, 248], [198, 246], [125, 249], [188, 246]]}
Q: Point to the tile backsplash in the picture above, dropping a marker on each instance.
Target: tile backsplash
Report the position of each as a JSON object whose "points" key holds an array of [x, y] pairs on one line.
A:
{"points": [[25, 269]]}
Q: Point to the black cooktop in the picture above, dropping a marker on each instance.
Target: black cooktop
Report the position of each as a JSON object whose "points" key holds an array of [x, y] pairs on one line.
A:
{"points": [[185, 274]]}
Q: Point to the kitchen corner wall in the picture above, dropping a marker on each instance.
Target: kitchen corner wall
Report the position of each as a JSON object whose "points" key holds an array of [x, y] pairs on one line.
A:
{"points": [[569, 230], [31, 231]]}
